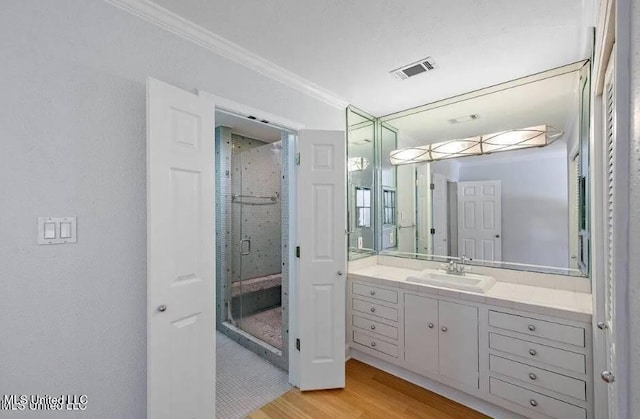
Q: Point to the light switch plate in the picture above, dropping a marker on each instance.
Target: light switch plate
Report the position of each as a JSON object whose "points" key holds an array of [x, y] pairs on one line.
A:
{"points": [[58, 230]]}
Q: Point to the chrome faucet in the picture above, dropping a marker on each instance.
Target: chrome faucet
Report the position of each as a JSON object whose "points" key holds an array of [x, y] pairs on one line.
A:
{"points": [[457, 268]]}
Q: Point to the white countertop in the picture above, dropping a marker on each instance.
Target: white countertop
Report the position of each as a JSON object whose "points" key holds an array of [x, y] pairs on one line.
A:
{"points": [[566, 304]]}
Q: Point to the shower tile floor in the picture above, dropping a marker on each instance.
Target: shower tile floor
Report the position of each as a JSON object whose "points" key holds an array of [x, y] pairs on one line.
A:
{"points": [[265, 325], [244, 380]]}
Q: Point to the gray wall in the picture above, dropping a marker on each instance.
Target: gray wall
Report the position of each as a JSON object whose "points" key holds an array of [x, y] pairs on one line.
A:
{"points": [[535, 217], [72, 125]]}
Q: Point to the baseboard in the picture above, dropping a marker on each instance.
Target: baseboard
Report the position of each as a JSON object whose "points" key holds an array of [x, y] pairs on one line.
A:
{"points": [[458, 396]]}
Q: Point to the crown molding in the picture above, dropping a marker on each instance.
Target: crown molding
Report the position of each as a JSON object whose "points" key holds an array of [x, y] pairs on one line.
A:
{"points": [[178, 25]]}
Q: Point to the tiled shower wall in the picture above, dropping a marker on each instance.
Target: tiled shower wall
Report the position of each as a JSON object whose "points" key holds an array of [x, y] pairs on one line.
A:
{"points": [[224, 243], [255, 174]]}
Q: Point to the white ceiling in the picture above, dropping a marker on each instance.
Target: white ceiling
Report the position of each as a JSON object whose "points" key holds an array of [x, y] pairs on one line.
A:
{"points": [[248, 128], [349, 47]]}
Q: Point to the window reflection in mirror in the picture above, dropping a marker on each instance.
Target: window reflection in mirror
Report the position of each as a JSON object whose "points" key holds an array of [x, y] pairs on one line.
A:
{"points": [[523, 209]]}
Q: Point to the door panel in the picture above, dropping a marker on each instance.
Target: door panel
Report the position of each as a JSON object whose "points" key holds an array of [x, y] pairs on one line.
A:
{"points": [[480, 220], [421, 333], [322, 263], [180, 254], [440, 215], [458, 342]]}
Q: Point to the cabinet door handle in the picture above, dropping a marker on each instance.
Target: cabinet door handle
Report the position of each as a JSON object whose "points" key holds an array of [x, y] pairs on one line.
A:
{"points": [[532, 376], [430, 325], [533, 352], [373, 309], [373, 327], [532, 328], [533, 403], [372, 292], [444, 328], [373, 344]]}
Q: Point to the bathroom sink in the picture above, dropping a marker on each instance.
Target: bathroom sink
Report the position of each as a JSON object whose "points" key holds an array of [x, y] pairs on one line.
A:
{"points": [[466, 282]]}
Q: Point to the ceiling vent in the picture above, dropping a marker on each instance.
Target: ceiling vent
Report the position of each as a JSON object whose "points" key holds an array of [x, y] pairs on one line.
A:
{"points": [[423, 66], [465, 118]]}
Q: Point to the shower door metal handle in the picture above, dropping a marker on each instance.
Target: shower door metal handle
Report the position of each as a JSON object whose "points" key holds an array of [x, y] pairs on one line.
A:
{"points": [[248, 241]]}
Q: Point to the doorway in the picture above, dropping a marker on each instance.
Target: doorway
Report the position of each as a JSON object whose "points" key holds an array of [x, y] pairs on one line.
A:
{"points": [[252, 240]]}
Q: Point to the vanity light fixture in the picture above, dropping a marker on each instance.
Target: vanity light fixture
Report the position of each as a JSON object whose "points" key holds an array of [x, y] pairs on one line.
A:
{"points": [[356, 164], [515, 139]]}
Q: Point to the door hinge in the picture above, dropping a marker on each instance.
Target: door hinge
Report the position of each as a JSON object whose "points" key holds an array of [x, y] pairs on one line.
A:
{"points": [[298, 252], [433, 231], [432, 186], [298, 344], [297, 159]]}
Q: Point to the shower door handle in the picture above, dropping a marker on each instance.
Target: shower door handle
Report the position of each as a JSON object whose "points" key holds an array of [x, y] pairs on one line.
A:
{"points": [[245, 253]]}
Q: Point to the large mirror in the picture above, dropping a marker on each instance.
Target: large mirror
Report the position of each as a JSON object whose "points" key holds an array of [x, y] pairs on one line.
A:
{"points": [[497, 176], [362, 174]]}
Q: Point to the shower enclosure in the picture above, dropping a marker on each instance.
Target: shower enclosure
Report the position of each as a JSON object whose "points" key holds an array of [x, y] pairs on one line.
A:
{"points": [[250, 243]]}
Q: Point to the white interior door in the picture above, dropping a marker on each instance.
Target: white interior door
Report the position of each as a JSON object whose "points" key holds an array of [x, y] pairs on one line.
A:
{"points": [[611, 236], [180, 254], [423, 219], [406, 198], [440, 215], [480, 220], [321, 273]]}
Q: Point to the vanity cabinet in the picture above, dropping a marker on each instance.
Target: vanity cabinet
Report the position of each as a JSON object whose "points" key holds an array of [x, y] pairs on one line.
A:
{"points": [[441, 337], [530, 363]]}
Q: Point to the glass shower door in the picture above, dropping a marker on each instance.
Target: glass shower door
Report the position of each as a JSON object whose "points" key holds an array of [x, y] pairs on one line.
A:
{"points": [[258, 259]]}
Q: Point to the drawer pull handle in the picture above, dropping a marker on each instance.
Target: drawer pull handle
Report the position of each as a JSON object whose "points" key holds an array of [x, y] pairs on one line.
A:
{"points": [[533, 352], [532, 328], [372, 292], [444, 328], [533, 376], [373, 344], [533, 403], [373, 309], [430, 325], [373, 327]]}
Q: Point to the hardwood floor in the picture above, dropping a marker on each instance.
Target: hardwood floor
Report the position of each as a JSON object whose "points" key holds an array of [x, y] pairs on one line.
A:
{"points": [[370, 393]]}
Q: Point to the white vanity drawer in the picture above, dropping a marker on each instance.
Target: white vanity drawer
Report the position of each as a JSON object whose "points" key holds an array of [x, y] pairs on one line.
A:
{"points": [[390, 296], [539, 377], [375, 309], [549, 355], [535, 401], [375, 327], [375, 344], [544, 329]]}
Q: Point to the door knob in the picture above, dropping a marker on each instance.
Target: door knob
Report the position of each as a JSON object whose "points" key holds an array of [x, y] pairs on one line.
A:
{"points": [[430, 325], [162, 308], [444, 328], [602, 325], [608, 377]]}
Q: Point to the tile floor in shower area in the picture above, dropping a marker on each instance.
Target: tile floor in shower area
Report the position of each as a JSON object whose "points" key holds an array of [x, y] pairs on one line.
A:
{"points": [[266, 322]]}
